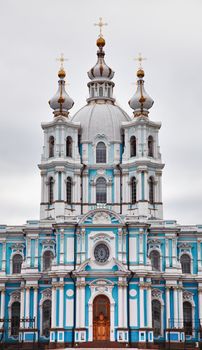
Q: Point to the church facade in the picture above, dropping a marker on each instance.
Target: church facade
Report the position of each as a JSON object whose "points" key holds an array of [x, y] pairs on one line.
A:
{"points": [[101, 263]]}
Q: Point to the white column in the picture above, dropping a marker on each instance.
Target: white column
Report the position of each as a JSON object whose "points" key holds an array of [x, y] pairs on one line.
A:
{"points": [[35, 305], [4, 256], [141, 257], [61, 307], [78, 299], [174, 252], [167, 307], [22, 304], [125, 309], [53, 308], [27, 308], [120, 304], [28, 251], [82, 305], [62, 247], [36, 253], [199, 253], [200, 304], [175, 297], [149, 308], [2, 310], [141, 306], [167, 253], [180, 296]]}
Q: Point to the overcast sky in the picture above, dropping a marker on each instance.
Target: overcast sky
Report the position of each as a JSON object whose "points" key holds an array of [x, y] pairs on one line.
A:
{"points": [[34, 33]]}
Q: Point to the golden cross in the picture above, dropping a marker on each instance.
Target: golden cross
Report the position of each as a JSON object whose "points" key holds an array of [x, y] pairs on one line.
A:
{"points": [[61, 59], [100, 24], [140, 59]]}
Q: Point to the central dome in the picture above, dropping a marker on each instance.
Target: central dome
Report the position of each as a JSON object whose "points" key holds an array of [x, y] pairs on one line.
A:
{"points": [[101, 118]]}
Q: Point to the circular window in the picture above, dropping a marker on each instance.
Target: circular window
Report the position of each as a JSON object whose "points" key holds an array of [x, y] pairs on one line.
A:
{"points": [[101, 253]]}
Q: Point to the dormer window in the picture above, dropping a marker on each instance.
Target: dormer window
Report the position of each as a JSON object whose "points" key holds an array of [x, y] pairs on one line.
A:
{"points": [[101, 153]]}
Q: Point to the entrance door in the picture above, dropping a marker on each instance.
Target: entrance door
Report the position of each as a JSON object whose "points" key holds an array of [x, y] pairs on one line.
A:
{"points": [[101, 318]]}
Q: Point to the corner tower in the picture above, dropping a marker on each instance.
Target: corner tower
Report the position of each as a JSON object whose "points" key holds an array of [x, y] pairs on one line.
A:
{"points": [[60, 160], [142, 165]]}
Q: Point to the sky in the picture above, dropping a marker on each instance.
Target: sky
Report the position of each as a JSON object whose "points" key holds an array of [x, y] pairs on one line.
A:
{"points": [[33, 33]]}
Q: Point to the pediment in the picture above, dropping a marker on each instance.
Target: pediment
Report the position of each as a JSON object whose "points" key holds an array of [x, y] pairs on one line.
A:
{"points": [[101, 217]]}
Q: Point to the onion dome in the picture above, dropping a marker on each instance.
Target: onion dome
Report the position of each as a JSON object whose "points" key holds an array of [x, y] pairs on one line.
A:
{"points": [[101, 71], [141, 102], [61, 102], [100, 86]]}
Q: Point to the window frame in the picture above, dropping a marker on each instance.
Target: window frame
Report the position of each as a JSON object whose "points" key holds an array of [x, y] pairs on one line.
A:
{"points": [[101, 158], [103, 194], [51, 143], [133, 146]]}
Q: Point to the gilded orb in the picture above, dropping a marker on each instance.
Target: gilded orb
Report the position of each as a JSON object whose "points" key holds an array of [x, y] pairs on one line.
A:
{"points": [[140, 73], [100, 42], [61, 73]]}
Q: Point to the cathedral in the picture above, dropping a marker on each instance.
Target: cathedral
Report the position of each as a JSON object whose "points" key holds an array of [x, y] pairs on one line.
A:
{"points": [[101, 267]]}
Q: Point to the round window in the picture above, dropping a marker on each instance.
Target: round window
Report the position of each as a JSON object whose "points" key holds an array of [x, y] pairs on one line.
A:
{"points": [[101, 253]]}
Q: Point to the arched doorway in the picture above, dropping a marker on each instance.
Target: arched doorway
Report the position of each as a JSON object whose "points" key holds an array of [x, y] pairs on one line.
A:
{"points": [[101, 318]]}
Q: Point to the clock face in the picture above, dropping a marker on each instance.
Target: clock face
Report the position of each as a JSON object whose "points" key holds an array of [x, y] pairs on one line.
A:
{"points": [[101, 253]]}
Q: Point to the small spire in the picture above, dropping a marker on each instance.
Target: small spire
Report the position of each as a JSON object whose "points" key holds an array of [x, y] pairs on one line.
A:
{"points": [[101, 84], [141, 102], [61, 102], [140, 71], [61, 72]]}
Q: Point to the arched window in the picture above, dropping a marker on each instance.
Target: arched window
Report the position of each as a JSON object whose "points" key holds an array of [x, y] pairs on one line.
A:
{"points": [[133, 146], [185, 263], [69, 146], [101, 190], [69, 190], [15, 318], [150, 146], [17, 263], [133, 190], [187, 317], [46, 318], [151, 190], [47, 260], [101, 153], [51, 146], [51, 193], [156, 317], [155, 260]]}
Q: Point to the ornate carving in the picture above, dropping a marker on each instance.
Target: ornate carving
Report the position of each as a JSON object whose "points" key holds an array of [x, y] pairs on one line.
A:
{"points": [[47, 293], [187, 296], [184, 245], [17, 247], [101, 218], [15, 296], [156, 294]]}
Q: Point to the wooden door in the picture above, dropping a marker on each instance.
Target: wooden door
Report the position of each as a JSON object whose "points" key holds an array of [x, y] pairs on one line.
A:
{"points": [[101, 318]]}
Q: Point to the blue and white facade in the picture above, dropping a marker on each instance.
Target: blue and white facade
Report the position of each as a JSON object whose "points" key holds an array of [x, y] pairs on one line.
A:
{"points": [[101, 238]]}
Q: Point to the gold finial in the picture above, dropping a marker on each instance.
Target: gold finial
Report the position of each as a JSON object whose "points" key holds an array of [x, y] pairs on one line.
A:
{"points": [[61, 72], [140, 72], [100, 24]]}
